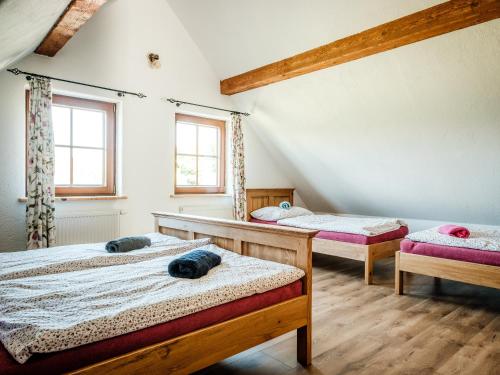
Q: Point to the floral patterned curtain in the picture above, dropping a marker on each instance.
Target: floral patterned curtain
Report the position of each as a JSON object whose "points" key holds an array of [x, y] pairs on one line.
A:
{"points": [[238, 159], [40, 222]]}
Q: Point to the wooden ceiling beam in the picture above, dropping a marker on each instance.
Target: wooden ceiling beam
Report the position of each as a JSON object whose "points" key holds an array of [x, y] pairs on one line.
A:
{"points": [[437, 20], [75, 15]]}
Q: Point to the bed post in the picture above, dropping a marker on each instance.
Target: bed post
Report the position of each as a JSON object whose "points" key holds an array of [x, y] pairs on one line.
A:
{"points": [[369, 266], [157, 224], [399, 276], [304, 334]]}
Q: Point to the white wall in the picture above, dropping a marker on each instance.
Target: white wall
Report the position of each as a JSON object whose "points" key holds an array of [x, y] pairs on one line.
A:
{"points": [[413, 132], [111, 50]]}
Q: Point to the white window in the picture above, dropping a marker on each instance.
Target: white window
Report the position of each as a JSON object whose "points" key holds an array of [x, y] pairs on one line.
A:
{"points": [[199, 155]]}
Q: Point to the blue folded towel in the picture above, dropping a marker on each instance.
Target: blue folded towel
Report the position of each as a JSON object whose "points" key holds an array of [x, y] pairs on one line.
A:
{"points": [[194, 264], [124, 244]]}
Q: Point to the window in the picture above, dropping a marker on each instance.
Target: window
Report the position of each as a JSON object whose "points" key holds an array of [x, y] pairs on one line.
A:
{"points": [[84, 138], [199, 155]]}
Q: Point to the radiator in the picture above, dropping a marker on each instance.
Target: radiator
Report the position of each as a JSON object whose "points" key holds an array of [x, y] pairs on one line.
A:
{"points": [[87, 227], [218, 211]]}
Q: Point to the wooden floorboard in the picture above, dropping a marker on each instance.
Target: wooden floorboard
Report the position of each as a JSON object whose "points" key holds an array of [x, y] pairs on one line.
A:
{"points": [[451, 328]]}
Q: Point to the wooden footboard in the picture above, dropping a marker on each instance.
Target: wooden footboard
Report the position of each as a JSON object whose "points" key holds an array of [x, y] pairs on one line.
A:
{"points": [[466, 272], [365, 253], [201, 348], [258, 198]]}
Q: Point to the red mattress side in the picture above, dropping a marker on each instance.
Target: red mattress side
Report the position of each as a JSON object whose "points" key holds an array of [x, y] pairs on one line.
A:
{"points": [[72, 359], [352, 238], [491, 258]]}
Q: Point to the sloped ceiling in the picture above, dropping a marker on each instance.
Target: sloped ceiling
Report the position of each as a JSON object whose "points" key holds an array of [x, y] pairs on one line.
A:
{"points": [[413, 132], [24, 24], [240, 35]]}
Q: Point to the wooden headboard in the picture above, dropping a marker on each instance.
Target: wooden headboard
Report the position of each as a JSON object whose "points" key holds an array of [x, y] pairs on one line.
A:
{"points": [[271, 242], [258, 198]]}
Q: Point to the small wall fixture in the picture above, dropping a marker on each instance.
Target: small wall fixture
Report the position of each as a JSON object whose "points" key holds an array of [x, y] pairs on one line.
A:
{"points": [[154, 60]]}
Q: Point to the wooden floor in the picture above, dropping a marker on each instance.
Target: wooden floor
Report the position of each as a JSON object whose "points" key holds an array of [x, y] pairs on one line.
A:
{"points": [[453, 328]]}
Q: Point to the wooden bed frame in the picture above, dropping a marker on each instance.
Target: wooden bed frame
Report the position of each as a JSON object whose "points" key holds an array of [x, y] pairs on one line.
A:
{"points": [[441, 268], [201, 348], [258, 198]]}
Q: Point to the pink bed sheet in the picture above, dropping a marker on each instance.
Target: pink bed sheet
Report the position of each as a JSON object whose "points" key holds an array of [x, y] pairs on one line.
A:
{"points": [[491, 258], [352, 238]]}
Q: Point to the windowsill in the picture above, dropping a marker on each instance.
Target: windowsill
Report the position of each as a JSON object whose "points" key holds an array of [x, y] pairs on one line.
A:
{"points": [[84, 198], [197, 195]]}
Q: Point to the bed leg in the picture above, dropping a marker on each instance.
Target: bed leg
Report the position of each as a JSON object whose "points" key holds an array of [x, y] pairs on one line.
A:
{"points": [[399, 277], [304, 343], [437, 285], [369, 267]]}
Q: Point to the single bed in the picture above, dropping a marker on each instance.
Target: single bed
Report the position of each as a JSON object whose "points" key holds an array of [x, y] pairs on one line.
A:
{"points": [[442, 261], [197, 340], [367, 249]]}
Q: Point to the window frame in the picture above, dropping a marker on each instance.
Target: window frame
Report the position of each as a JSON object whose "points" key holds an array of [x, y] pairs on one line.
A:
{"points": [[109, 189], [221, 183]]}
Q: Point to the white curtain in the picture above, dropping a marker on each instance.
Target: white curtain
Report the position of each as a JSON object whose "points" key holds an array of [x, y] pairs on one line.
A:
{"points": [[238, 160], [40, 207]]}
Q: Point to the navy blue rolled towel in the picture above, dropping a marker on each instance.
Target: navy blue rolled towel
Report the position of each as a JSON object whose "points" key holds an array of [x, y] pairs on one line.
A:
{"points": [[194, 264], [124, 244]]}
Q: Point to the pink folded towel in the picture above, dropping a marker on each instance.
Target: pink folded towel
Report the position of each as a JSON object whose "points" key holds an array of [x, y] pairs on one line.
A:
{"points": [[454, 231]]}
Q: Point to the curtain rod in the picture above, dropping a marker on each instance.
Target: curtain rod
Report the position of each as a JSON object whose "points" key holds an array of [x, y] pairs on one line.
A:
{"points": [[178, 103], [28, 75]]}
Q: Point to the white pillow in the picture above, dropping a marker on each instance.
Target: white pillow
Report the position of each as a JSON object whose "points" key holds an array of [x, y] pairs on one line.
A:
{"points": [[276, 213]]}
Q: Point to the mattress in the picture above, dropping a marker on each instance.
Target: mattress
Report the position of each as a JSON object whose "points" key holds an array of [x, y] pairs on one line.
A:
{"points": [[352, 238], [51, 313], [481, 237], [82, 356], [69, 258], [491, 258]]}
